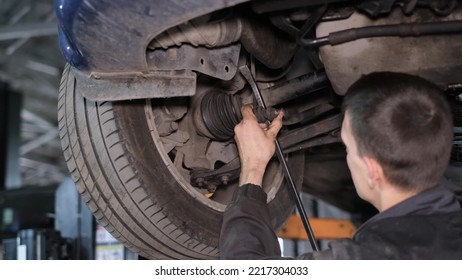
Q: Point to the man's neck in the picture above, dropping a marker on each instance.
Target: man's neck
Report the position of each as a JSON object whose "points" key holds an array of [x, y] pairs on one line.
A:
{"points": [[391, 196]]}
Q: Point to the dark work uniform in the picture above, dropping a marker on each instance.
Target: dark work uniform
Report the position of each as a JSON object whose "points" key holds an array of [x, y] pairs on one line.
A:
{"points": [[425, 226]]}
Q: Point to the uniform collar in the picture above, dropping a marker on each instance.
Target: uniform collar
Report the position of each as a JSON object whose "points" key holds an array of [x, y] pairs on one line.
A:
{"points": [[436, 200]]}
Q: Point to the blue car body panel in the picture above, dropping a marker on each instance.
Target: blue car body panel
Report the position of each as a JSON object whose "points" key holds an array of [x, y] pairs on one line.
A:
{"points": [[66, 12], [111, 36]]}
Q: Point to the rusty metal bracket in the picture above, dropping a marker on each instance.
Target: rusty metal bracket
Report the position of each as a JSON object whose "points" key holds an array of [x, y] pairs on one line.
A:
{"points": [[123, 86], [292, 139], [219, 62]]}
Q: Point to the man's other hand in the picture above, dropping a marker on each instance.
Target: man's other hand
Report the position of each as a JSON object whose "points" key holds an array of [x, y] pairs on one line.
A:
{"points": [[255, 142]]}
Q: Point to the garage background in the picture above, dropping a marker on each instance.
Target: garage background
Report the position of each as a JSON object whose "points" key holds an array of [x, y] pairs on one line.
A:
{"points": [[41, 214]]}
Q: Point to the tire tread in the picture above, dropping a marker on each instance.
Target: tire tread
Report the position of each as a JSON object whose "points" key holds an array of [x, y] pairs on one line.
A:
{"points": [[94, 150]]}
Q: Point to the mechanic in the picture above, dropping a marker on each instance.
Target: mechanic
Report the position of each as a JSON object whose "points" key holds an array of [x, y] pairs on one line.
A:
{"points": [[397, 130]]}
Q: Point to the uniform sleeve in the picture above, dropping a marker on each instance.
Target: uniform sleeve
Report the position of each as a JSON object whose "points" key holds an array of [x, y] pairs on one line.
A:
{"points": [[246, 232]]}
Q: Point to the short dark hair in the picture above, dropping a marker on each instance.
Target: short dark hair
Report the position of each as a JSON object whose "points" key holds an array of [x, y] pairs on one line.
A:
{"points": [[405, 123]]}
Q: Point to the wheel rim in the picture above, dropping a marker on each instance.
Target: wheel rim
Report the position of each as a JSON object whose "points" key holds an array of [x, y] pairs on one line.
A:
{"points": [[178, 156]]}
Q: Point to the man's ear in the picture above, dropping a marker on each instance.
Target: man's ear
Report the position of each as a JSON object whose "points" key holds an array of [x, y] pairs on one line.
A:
{"points": [[375, 177]]}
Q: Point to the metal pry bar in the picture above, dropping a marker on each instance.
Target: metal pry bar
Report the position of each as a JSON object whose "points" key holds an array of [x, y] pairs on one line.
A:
{"points": [[245, 71]]}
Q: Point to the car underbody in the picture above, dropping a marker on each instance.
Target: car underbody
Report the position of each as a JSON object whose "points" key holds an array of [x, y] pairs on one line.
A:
{"points": [[152, 93]]}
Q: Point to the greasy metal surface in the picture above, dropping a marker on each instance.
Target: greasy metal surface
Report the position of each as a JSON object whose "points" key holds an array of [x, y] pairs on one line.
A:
{"points": [[296, 136], [431, 57], [275, 5], [294, 88], [330, 138], [217, 177], [199, 32], [387, 30], [154, 84], [220, 62]]}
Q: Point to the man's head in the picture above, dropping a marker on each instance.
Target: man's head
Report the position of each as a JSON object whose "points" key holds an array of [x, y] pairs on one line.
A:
{"points": [[401, 122]]}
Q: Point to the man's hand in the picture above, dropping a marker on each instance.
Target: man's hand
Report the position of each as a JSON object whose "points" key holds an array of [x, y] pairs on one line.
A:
{"points": [[256, 146]]}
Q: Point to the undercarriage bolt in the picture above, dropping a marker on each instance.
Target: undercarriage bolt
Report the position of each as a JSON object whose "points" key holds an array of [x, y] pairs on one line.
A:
{"points": [[199, 182], [211, 188], [224, 179], [167, 128]]}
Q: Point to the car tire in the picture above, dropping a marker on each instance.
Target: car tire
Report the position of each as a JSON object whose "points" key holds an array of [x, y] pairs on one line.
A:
{"points": [[130, 185]]}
